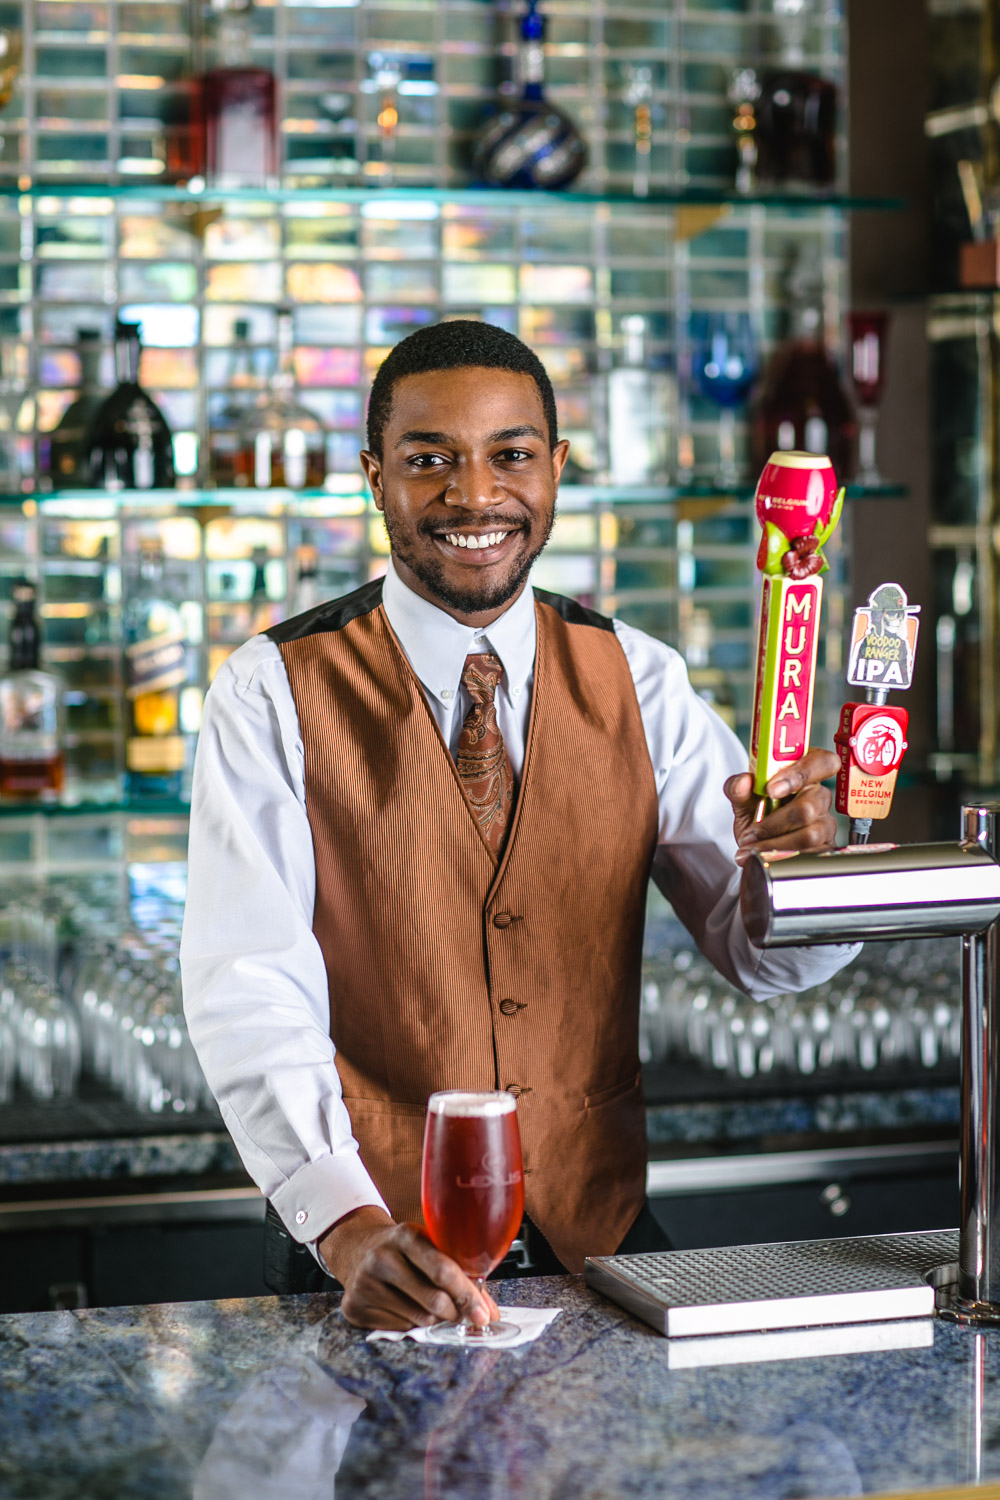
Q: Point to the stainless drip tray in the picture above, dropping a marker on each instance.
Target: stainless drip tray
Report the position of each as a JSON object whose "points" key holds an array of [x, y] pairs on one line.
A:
{"points": [[795, 1284]]}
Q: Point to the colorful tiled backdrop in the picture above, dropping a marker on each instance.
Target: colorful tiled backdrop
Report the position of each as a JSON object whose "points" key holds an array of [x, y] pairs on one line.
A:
{"points": [[363, 268]]}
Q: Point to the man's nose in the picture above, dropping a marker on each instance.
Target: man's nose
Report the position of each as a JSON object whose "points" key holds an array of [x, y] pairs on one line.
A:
{"points": [[472, 483]]}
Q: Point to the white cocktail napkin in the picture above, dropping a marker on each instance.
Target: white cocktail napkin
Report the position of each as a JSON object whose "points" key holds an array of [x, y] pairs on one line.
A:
{"points": [[532, 1321]]}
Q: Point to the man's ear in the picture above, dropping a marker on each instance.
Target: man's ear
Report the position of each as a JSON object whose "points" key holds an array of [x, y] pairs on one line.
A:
{"points": [[373, 473]]}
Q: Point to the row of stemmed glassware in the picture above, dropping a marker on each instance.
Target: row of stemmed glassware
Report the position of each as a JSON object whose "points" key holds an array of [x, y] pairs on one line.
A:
{"points": [[134, 1037], [39, 1034], [897, 1004], [88, 983]]}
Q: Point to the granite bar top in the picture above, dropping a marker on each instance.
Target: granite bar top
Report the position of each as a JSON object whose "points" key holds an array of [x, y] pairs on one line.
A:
{"points": [[278, 1399]]}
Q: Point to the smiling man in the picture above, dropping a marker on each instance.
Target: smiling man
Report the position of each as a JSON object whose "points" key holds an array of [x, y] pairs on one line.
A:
{"points": [[423, 824]]}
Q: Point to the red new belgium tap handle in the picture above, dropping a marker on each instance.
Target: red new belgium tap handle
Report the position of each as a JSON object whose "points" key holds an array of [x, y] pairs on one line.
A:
{"points": [[870, 741]]}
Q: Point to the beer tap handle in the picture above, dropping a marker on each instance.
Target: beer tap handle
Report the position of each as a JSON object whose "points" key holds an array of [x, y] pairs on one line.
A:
{"points": [[871, 737], [798, 505]]}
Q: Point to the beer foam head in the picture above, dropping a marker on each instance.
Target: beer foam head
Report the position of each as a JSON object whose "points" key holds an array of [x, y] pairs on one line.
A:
{"points": [[458, 1104]]}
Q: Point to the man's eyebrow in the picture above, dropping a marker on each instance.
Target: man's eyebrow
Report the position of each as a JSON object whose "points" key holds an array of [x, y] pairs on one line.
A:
{"points": [[505, 434], [502, 435], [415, 435]]}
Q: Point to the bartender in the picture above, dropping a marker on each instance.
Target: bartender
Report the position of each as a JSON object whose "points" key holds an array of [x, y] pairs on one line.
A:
{"points": [[423, 821]]}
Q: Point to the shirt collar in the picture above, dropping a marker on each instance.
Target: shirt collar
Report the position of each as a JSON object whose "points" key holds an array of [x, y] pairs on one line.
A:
{"points": [[436, 644]]}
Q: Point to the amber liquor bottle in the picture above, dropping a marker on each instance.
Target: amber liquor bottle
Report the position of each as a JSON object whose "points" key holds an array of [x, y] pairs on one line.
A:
{"points": [[155, 672], [31, 711]]}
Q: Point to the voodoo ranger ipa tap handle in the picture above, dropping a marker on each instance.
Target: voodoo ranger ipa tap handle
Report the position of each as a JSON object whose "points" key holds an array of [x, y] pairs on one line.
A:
{"points": [[871, 737], [798, 505]]}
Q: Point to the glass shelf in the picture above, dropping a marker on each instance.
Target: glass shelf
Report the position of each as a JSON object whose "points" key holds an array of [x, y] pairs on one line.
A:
{"points": [[135, 807], [151, 191], [322, 502]]}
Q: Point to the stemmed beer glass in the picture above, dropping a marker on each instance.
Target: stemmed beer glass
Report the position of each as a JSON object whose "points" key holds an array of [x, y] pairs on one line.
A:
{"points": [[472, 1193]]}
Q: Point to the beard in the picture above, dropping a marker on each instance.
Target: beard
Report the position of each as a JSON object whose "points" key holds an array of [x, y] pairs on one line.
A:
{"points": [[478, 595]]}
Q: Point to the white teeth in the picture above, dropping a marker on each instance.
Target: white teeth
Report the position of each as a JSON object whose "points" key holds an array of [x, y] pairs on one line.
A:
{"points": [[466, 539]]}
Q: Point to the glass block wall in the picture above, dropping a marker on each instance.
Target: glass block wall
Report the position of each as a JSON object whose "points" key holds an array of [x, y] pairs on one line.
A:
{"points": [[91, 227], [100, 79]]}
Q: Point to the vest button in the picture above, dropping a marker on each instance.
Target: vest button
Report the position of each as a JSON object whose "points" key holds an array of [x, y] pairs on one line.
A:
{"points": [[509, 1007], [502, 919], [516, 1090]]}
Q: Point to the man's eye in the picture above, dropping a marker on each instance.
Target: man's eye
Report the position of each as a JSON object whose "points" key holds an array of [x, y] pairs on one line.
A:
{"points": [[426, 460], [514, 455]]}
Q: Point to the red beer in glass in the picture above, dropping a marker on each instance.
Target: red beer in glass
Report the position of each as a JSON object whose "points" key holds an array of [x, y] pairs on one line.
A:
{"points": [[472, 1187]]}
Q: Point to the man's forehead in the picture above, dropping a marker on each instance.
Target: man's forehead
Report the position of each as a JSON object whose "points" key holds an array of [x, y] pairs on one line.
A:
{"points": [[466, 394]]}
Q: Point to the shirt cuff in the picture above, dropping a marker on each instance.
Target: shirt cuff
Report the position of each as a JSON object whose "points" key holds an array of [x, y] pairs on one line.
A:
{"points": [[323, 1191]]}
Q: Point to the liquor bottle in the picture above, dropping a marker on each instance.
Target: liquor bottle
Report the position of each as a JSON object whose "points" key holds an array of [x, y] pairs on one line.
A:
{"points": [[796, 113], [638, 95], [529, 142], [70, 443], [306, 592], [183, 115], [130, 446], [282, 444], [241, 137], [801, 403], [224, 427], [31, 711], [264, 612], [641, 413], [155, 671]]}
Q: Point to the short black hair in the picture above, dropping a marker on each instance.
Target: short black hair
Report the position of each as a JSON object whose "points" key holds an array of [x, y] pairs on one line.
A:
{"points": [[459, 344]]}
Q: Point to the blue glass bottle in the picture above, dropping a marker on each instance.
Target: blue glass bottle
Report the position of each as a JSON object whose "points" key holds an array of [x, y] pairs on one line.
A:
{"points": [[529, 142]]}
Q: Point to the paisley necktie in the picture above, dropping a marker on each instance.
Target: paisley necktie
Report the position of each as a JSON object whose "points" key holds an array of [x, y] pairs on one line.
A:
{"points": [[483, 763]]}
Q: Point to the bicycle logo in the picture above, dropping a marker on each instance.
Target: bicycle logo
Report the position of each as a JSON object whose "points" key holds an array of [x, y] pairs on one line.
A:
{"points": [[878, 745]]}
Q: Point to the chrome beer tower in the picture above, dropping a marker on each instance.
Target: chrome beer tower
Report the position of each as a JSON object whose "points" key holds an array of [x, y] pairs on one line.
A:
{"points": [[918, 890]]}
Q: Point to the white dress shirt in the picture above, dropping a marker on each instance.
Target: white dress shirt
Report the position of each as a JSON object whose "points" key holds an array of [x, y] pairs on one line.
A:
{"points": [[255, 984]]}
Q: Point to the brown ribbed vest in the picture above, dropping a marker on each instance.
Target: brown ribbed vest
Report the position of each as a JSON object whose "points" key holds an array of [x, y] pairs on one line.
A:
{"points": [[446, 971]]}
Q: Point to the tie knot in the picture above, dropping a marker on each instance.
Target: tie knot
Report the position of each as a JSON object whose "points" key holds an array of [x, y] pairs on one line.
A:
{"points": [[480, 676]]}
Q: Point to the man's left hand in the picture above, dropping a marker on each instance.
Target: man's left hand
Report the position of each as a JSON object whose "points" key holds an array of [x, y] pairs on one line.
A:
{"points": [[804, 821]]}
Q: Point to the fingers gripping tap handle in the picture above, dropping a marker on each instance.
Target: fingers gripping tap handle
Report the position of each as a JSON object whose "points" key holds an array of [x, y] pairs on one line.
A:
{"points": [[798, 505]]}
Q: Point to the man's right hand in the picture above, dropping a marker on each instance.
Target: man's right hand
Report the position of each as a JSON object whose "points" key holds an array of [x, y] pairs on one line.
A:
{"points": [[393, 1277]]}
